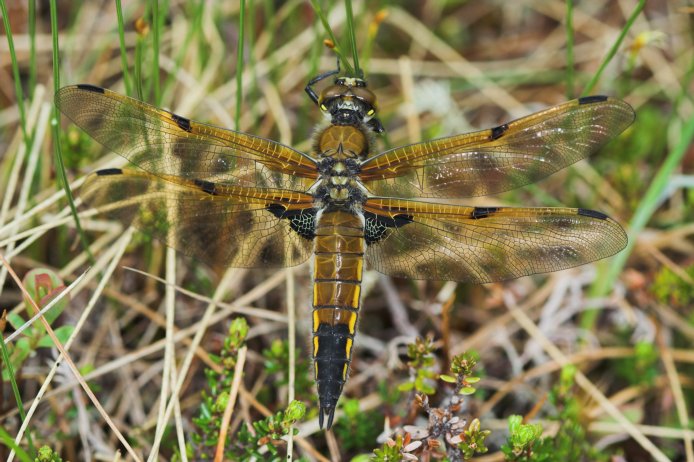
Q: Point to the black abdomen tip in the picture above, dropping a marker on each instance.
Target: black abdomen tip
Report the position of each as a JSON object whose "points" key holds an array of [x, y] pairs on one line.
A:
{"points": [[330, 412]]}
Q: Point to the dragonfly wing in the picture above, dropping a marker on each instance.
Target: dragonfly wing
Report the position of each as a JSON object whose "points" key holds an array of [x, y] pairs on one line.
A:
{"points": [[219, 224], [164, 143], [499, 159], [421, 240]]}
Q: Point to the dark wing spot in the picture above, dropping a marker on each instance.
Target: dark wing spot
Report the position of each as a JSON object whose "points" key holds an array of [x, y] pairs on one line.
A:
{"points": [[182, 122], [483, 212], [276, 209], [376, 226], [592, 214], [92, 88], [498, 132], [592, 99], [402, 220], [302, 221], [205, 186], [109, 171]]}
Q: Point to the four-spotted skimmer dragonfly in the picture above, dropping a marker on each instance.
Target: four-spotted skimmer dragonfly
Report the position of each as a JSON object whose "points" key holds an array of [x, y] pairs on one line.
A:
{"points": [[235, 199]]}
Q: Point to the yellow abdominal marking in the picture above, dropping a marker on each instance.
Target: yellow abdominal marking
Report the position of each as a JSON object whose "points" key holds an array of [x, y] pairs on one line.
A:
{"points": [[349, 347], [355, 304], [352, 324]]}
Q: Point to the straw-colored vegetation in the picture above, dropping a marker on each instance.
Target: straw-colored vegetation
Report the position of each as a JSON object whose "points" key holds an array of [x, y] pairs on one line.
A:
{"points": [[600, 356]]}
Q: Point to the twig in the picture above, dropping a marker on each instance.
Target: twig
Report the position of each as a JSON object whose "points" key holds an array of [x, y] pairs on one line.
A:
{"points": [[583, 381], [71, 364], [226, 418]]}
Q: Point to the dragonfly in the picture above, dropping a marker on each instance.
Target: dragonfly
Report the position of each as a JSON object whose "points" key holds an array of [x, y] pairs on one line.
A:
{"points": [[234, 199]]}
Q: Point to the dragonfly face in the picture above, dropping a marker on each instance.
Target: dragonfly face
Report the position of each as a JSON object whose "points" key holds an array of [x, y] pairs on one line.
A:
{"points": [[348, 101], [230, 198]]}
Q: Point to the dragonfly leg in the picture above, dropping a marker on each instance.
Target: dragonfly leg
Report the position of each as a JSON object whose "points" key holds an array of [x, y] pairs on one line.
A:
{"points": [[309, 87], [375, 125]]}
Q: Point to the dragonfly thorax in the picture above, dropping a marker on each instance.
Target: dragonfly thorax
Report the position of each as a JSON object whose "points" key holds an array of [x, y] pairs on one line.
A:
{"points": [[340, 151], [339, 186]]}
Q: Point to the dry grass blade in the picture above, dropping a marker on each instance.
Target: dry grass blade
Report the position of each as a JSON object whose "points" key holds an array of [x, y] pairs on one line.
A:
{"points": [[63, 293], [233, 394], [437, 69], [70, 364], [585, 383]]}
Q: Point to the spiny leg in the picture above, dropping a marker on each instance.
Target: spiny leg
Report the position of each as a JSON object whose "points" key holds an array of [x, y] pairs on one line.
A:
{"points": [[309, 87]]}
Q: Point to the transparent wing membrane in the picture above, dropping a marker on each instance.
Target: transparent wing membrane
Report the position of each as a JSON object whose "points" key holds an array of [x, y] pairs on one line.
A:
{"points": [[499, 159], [164, 143], [421, 240], [220, 225]]}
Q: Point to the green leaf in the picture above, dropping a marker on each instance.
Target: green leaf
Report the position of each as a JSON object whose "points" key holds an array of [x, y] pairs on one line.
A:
{"points": [[514, 421], [63, 333], [425, 388], [238, 330], [43, 285], [407, 386], [296, 410], [351, 408], [448, 378], [15, 320], [523, 435], [8, 441], [22, 349], [467, 390]]}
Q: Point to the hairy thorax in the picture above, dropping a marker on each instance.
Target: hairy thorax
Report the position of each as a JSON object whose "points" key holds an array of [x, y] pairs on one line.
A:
{"points": [[340, 150]]}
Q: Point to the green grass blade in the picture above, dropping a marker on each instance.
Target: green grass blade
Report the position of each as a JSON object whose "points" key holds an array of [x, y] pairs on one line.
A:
{"points": [[8, 441], [60, 170], [647, 207], [346, 66], [569, 49], [32, 47], [253, 92], [615, 47], [15, 74], [367, 49], [155, 52], [194, 31], [139, 90], [123, 50], [352, 39], [605, 281], [17, 397], [239, 65]]}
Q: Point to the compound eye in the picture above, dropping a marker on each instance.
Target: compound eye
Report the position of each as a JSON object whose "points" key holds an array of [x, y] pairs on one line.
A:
{"points": [[366, 96]]}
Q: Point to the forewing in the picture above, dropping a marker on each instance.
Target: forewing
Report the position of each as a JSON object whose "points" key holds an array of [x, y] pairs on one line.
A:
{"points": [[420, 240], [215, 223], [164, 143], [499, 159]]}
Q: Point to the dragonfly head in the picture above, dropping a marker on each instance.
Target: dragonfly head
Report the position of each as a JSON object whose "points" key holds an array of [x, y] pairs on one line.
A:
{"points": [[349, 102]]}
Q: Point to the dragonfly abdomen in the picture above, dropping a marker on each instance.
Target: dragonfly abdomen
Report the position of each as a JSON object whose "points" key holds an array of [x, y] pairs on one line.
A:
{"points": [[339, 257]]}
